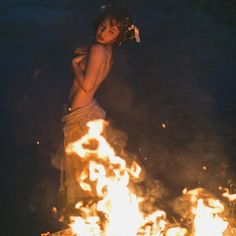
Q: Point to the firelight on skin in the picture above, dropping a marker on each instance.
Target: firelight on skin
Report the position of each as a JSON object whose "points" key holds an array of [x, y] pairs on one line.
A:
{"points": [[107, 32]]}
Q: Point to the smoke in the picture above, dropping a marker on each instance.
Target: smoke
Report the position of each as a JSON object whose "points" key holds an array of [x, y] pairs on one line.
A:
{"points": [[170, 126]]}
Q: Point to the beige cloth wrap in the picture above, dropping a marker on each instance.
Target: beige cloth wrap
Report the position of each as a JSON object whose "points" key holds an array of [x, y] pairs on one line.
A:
{"points": [[74, 128]]}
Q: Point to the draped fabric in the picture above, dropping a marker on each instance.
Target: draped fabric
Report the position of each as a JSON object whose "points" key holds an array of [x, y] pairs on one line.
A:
{"points": [[74, 127]]}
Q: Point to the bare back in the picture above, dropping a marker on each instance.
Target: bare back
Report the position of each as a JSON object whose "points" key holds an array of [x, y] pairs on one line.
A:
{"points": [[77, 96]]}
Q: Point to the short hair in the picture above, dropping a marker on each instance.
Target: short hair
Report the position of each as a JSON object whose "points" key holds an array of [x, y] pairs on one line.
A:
{"points": [[122, 19]]}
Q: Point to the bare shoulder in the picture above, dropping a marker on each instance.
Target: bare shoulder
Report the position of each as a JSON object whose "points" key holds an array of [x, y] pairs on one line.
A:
{"points": [[98, 49]]}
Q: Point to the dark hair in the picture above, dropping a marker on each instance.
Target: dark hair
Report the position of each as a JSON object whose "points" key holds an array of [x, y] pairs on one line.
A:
{"points": [[122, 19]]}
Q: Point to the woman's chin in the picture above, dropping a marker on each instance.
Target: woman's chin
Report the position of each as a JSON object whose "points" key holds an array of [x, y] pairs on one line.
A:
{"points": [[101, 41]]}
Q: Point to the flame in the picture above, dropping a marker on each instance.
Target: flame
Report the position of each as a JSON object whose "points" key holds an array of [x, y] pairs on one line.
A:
{"points": [[112, 176], [176, 231], [207, 221], [226, 194], [117, 210]]}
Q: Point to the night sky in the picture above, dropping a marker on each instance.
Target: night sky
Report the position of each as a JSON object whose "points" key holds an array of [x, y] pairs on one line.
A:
{"points": [[181, 75]]}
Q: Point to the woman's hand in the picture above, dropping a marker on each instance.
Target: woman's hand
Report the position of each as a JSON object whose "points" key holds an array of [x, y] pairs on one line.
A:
{"points": [[75, 66], [81, 50], [78, 59]]}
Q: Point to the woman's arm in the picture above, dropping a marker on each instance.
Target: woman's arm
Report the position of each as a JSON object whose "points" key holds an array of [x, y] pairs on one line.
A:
{"points": [[88, 78]]}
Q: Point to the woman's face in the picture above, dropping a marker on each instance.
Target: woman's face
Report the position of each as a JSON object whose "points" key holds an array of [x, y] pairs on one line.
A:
{"points": [[107, 32]]}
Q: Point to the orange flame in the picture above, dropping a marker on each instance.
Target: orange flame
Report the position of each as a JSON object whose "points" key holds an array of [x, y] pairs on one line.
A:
{"points": [[117, 211], [226, 194]]}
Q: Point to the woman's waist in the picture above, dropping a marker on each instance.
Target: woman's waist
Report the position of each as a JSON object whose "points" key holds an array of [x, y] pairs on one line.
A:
{"points": [[78, 112], [79, 99], [80, 104]]}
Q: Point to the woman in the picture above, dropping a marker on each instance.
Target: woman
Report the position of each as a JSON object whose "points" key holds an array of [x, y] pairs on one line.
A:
{"points": [[113, 27]]}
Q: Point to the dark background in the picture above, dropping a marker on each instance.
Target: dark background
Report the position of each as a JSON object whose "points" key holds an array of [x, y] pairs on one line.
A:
{"points": [[181, 75]]}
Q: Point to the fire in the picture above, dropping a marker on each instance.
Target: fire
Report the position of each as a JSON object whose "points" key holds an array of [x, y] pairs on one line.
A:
{"points": [[226, 194], [117, 211], [117, 203], [207, 220]]}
